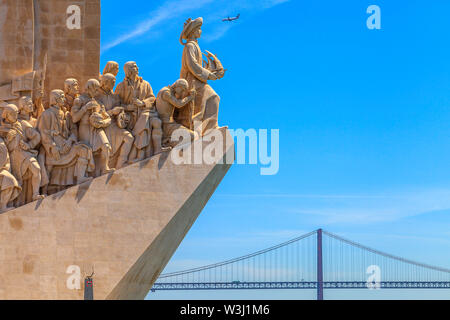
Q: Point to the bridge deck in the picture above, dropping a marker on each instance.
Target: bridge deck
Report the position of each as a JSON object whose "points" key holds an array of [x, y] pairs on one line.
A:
{"points": [[300, 285]]}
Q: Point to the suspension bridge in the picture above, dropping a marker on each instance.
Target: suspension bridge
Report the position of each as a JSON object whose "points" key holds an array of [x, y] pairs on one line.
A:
{"points": [[317, 260]]}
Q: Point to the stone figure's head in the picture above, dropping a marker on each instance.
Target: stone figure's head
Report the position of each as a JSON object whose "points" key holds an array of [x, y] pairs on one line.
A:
{"points": [[180, 88], [57, 98], [131, 69], [192, 29], [71, 87], [10, 113], [92, 86], [111, 67], [108, 81], [26, 105]]}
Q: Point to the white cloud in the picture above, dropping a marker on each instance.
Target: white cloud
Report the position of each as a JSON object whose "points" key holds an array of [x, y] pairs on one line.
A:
{"points": [[216, 10], [358, 208], [167, 11]]}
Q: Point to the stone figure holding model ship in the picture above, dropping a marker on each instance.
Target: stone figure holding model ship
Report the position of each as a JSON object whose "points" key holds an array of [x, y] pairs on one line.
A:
{"points": [[197, 73]]}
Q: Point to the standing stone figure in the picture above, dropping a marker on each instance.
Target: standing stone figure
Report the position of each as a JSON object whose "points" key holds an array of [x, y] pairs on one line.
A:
{"points": [[9, 187], [93, 135], [111, 67], [23, 157], [71, 93], [120, 138], [66, 159], [29, 123], [206, 106], [137, 95], [26, 110], [169, 98]]}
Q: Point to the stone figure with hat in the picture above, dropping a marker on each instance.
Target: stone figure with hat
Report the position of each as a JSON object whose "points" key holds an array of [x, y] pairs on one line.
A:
{"points": [[197, 72]]}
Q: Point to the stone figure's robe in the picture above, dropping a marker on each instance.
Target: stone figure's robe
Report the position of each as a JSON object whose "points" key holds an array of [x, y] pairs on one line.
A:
{"points": [[115, 134], [7, 180], [165, 105], [139, 124], [30, 125], [54, 127], [20, 158], [96, 138], [206, 105]]}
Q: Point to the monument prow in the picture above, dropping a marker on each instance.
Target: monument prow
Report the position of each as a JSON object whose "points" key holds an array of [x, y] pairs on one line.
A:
{"points": [[125, 226], [88, 179]]}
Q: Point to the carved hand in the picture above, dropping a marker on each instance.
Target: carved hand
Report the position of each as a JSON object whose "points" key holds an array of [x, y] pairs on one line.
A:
{"points": [[66, 147], [11, 135], [139, 103], [117, 110], [91, 105], [212, 76], [25, 146]]}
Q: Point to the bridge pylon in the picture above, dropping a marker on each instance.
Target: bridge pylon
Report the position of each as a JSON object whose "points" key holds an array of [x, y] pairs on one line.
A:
{"points": [[319, 266]]}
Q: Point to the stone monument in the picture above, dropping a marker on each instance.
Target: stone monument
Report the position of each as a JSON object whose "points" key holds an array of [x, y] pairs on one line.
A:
{"points": [[90, 194]]}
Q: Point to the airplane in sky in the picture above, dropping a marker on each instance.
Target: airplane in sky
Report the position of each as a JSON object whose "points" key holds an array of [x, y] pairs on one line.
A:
{"points": [[231, 19]]}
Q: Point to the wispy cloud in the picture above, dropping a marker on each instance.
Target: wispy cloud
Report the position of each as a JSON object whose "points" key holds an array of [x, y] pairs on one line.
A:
{"points": [[371, 209], [167, 11], [215, 10], [355, 208]]}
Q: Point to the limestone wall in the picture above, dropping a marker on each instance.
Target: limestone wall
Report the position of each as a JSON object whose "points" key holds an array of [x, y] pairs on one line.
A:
{"points": [[16, 38], [31, 28]]}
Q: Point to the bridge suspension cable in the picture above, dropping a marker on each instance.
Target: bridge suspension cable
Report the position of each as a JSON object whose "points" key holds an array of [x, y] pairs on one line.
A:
{"points": [[294, 265]]}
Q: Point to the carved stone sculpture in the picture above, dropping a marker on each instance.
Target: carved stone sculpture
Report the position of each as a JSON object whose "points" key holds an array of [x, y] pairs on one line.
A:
{"points": [[26, 110], [206, 106], [71, 93], [51, 140], [21, 143], [29, 123], [170, 98], [66, 159], [91, 121], [111, 67], [120, 138], [137, 95], [9, 187]]}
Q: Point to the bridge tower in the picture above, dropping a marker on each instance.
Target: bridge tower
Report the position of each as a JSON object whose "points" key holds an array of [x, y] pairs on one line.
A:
{"points": [[319, 266]]}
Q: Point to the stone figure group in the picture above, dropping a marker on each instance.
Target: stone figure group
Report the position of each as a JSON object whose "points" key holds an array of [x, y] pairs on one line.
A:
{"points": [[82, 135]]}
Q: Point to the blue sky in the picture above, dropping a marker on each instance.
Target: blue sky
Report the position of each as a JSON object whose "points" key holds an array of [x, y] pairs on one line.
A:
{"points": [[363, 117]]}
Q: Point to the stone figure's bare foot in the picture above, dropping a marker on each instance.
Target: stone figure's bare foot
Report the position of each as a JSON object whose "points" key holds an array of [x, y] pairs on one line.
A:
{"points": [[38, 197], [109, 170]]}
